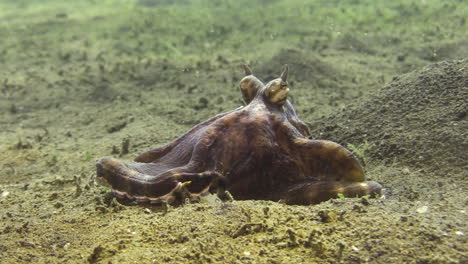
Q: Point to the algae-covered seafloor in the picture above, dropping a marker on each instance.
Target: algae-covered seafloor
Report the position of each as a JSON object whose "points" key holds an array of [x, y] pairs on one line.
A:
{"points": [[84, 79]]}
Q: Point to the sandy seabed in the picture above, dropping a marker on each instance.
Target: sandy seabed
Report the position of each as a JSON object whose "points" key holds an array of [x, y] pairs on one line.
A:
{"points": [[85, 79]]}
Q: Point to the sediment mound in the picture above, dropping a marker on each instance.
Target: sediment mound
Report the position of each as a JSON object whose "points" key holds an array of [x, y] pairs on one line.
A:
{"points": [[419, 119]]}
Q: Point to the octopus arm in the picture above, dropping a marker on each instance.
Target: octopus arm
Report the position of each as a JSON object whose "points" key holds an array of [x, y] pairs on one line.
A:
{"points": [[294, 119], [157, 183], [313, 192], [171, 173], [327, 160], [329, 169], [157, 153]]}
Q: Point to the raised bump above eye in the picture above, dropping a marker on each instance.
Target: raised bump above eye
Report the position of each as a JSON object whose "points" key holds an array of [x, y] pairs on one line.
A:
{"points": [[249, 85]]}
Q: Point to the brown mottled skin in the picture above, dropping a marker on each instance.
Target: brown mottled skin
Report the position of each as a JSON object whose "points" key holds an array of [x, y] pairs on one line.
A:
{"points": [[260, 151]]}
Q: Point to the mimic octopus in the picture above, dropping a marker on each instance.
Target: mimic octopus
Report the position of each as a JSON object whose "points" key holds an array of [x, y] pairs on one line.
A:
{"points": [[259, 151]]}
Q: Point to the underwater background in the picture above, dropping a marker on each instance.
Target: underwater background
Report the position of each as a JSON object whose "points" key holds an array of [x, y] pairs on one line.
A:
{"points": [[80, 80]]}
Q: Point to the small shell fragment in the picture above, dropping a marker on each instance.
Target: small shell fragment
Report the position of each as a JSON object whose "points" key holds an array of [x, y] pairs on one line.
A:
{"points": [[422, 209]]}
